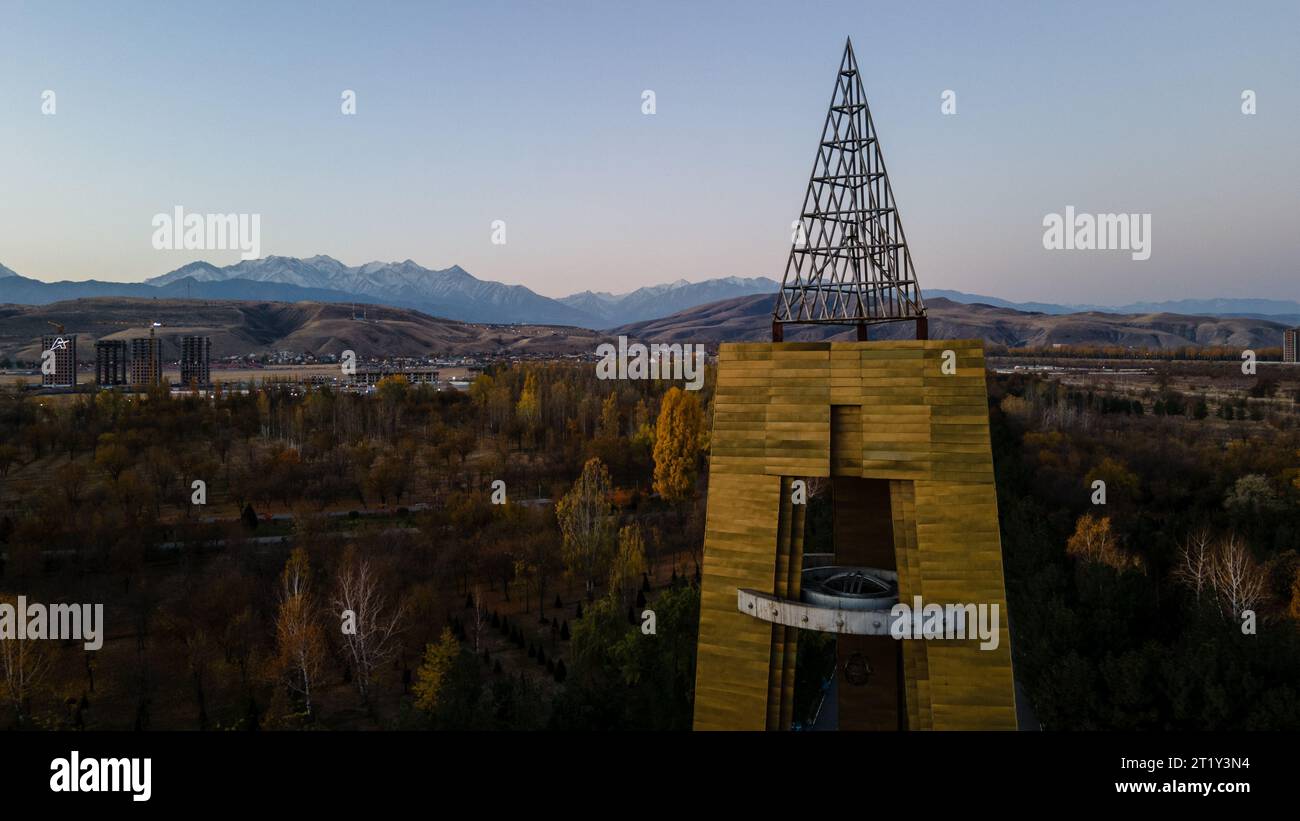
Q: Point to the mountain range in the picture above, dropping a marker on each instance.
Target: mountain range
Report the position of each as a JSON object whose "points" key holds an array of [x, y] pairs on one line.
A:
{"points": [[661, 300], [451, 293], [454, 293], [1281, 309], [710, 311]]}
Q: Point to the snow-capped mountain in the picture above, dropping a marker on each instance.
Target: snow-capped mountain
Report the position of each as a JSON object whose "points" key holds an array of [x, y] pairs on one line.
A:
{"points": [[654, 301], [451, 292], [596, 303], [455, 293]]}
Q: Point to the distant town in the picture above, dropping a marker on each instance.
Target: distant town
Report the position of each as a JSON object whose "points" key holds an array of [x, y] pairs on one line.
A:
{"points": [[138, 364]]}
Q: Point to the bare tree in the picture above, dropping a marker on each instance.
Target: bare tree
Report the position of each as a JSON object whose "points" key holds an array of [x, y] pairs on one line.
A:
{"points": [[23, 664], [370, 639], [480, 616], [1196, 561], [1238, 580]]}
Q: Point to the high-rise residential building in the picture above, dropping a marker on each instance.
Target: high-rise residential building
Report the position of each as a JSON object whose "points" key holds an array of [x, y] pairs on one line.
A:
{"points": [[196, 357], [110, 362], [59, 360], [146, 361], [1290, 343]]}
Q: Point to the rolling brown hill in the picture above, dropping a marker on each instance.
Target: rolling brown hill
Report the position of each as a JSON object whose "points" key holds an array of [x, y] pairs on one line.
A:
{"points": [[750, 319], [238, 328]]}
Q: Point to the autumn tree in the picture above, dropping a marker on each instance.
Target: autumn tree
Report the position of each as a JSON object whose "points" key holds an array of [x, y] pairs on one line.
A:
{"points": [[525, 573], [112, 456], [528, 410], [71, 478], [388, 478], [300, 643], [1121, 483], [628, 565], [1252, 495], [678, 441], [1093, 541], [586, 518], [541, 545], [610, 420], [434, 671], [392, 391]]}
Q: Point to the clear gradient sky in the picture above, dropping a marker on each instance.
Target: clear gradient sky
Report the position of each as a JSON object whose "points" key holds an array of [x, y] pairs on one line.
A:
{"points": [[530, 112]]}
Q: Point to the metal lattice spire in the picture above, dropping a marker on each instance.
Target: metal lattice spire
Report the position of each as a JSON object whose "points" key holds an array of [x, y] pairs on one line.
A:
{"points": [[849, 264]]}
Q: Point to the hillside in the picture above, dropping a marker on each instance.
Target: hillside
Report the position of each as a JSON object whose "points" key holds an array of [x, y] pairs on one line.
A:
{"points": [[243, 327], [750, 319], [1280, 310]]}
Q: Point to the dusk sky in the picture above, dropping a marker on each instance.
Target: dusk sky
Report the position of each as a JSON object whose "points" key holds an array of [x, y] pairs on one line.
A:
{"points": [[531, 113]]}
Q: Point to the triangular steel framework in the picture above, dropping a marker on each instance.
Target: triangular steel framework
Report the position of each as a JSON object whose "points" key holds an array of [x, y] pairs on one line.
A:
{"points": [[849, 264]]}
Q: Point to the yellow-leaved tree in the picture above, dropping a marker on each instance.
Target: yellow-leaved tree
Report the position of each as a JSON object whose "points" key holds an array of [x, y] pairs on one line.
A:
{"points": [[586, 517], [528, 410], [629, 564], [300, 643], [679, 437], [434, 671], [1094, 541]]}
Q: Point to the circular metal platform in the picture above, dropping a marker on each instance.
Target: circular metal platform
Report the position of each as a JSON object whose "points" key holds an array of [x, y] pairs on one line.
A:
{"points": [[850, 588]]}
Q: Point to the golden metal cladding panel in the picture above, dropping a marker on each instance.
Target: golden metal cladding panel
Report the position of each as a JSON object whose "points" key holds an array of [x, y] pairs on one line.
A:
{"points": [[923, 429]]}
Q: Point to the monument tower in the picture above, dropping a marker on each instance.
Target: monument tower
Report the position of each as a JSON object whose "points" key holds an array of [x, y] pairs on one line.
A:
{"points": [[893, 437]]}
